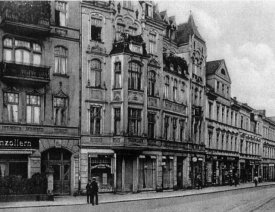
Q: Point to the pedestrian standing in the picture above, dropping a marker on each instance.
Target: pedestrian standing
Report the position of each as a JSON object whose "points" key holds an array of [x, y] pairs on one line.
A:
{"points": [[199, 182], [256, 181], [89, 191], [94, 191], [236, 179]]}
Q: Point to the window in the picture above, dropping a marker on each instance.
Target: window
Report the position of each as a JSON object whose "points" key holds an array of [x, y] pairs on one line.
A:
{"points": [[60, 107], [11, 102], [117, 119], [127, 4], [60, 60], [217, 142], [166, 127], [134, 80], [210, 110], [218, 112], [242, 122], [174, 132], [95, 120], [175, 90], [61, 13], [23, 52], [218, 86], [96, 29], [210, 133], [166, 88], [118, 75], [182, 125], [134, 121], [132, 30], [152, 83], [33, 109], [148, 10], [152, 43], [151, 125], [182, 91], [95, 77], [119, 29]]}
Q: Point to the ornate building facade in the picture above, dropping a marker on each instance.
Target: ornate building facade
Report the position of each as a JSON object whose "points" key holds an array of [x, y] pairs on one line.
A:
{"points": [[39, 97]]}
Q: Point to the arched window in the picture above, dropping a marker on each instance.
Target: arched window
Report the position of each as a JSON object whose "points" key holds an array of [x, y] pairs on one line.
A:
{"points": [[95, 77], [175, 90], [134, 80], [152, 83], [117, 83], [60, 60], [166, 87]]}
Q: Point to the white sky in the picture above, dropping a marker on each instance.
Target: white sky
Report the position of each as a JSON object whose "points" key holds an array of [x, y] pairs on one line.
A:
{"points": [[242, 33]]}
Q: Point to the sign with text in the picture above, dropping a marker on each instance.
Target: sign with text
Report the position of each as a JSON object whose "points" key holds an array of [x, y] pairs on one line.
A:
{"points": [[19, 143]]}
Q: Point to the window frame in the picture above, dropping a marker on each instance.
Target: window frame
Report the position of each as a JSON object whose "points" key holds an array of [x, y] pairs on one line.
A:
{"points": [[135, 118], [60, 59], [12, 104], [32, 106], [117, 75], [96, 73], [63, 111], [117, 121], [152, 83], [151, 125], [95, 119], [134, 78]]}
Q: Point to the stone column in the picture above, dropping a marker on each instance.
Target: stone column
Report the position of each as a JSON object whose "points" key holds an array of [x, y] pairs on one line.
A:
{"points": [[135, 174]]}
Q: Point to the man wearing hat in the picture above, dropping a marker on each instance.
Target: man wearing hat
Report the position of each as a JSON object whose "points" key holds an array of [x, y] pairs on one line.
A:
{"points": [[94, 191], [89, 191]]}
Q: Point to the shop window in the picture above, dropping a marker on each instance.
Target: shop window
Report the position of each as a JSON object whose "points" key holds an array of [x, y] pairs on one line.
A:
{"points": [[60, 60], [166, 127], [182, 126], [151, 125], [96, 29], [147, 171], [152, 83], [33, 109], [60, 108], [61, 13], [95, 73], [134, 81], [152, 43], [117, 120], [134, 121], [11, 102], [118, 75], [166, 88], [95, 120]]}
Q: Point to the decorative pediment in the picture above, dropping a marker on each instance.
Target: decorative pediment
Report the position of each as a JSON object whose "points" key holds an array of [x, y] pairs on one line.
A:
{"points": [[35, 93], [96, 48], [61, 94], [153, 62], [223, 72], [11, 90]]}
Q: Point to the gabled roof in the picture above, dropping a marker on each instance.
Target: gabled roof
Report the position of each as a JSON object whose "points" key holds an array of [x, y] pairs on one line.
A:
{"points": [[213, 66], [186, 30], [218, 67]]}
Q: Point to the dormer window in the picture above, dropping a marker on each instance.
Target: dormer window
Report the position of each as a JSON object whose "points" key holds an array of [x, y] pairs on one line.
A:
{"points": [[148, 11]]}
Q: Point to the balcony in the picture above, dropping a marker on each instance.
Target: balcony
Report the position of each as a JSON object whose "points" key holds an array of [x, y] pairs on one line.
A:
{"points": [[24, 73], [26, 17]]}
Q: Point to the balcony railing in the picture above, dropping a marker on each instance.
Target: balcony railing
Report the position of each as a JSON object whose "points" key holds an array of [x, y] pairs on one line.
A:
{"points": [[27, 16], [24, 72]]}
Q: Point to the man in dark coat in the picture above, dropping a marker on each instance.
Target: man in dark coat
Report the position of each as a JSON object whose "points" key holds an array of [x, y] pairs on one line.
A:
{"points": [[94, 191], [89, 192]]}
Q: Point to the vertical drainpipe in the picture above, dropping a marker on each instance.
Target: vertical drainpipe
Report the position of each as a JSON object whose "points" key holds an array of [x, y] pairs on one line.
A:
{"points": [[80, 95]]}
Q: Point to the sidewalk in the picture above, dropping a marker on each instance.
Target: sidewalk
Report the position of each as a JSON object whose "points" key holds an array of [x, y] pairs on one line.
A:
{"points": [[109, 198]]}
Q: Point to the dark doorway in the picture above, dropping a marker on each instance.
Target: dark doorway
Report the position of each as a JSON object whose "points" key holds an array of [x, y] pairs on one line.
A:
{"points": [[60, 161]]}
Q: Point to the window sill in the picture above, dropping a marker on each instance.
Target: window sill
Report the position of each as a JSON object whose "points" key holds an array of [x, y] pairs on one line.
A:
{"points": [[114, 89], [61, 75], [129, 9], [142, 91], [152, 54], [96, 88], [157, 97]]}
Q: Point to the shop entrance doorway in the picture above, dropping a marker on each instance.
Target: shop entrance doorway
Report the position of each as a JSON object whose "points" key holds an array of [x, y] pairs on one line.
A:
{"points": [[60, 161]]}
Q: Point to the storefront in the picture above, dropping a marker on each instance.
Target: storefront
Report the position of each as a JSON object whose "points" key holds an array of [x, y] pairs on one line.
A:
{"points": [[167, 172], [147, 172], [16, 156], [197, 169]]}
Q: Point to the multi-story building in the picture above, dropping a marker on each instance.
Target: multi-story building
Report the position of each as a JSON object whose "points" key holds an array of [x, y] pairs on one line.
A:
{"points": [[250, 125], [39, 97], [268, 148], [221, 126], [137, 71]]}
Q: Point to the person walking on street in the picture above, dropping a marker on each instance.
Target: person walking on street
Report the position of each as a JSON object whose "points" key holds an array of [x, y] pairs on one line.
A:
{"points": [[256, 181], [199, 182], [94, 191], [89, 191]]}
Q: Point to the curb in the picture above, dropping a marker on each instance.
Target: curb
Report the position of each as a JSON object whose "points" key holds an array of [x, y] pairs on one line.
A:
{"points": [[140, 199]]}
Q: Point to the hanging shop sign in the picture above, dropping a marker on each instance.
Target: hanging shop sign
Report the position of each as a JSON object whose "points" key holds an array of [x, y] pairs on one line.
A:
{"points": [[19, 143]]}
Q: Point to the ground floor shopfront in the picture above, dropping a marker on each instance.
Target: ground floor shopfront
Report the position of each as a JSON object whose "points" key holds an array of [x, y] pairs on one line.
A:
{"points": [[220, 170], [249, 169], [25, 156], [133, 171], [268, 170]]}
